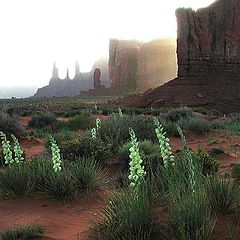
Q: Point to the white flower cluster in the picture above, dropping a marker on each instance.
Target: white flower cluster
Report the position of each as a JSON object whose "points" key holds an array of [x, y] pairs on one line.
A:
{"points": [[18, 153], [188, 156], [56, 157], [95, 129], [120, 112], [165, 148], [8, 156], [136, 169]]}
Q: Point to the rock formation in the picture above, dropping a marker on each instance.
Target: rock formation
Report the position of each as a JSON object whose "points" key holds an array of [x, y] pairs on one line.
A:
{"points": [[123, 55], [97, 78], [156, 64], [208, 52], [209, 39], [71, 87], [137, 66]]}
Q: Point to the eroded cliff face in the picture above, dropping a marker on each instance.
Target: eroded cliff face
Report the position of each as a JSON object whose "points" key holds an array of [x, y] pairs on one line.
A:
{"points": [[157, 64], [137, 66], [209, 39], [123, 55]]}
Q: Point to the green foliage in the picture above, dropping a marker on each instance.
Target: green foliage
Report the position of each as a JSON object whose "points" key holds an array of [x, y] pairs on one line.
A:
{"points": [[197, 124], [216, 151], [15, 181], [115, 129], [149, 153], [9, 124], [128, 216], [177, 114], [42, 120], [231, 124], [23, 232], [60, 186], [87, 175], [236, 172], [18, 153], [209, 164], [79, 122], [84, 146], [190, 218], [223, 194]]}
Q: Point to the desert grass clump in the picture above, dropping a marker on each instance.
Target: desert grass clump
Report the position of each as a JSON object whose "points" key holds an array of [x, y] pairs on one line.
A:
{"points": [[190, 218], [60, 186], [43, 120], [15, 181], [127, 216], [174, 115], [23, 232], [197, 125], [87, 175], [223, 194], [9, 124], [236, 172]]}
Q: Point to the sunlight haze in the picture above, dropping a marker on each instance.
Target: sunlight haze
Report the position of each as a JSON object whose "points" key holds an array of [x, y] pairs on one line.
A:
{"points": [[35, 33]]}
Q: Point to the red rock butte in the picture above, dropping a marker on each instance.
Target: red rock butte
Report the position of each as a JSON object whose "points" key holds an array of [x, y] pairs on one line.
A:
{"points": [[208, 53]]}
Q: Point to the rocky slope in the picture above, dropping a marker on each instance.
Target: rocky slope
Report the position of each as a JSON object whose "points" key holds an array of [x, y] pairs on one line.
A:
{"points": [[208, 52]]}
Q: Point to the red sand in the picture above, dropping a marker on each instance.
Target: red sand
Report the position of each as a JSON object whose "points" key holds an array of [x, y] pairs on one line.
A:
{"points": [[61, 221]]}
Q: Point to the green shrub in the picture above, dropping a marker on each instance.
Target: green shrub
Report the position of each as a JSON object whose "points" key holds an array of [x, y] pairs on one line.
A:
{"points": [[149, 151], [128, 216], [177, 114], [198, 125], [210, 164], [39, 169], [9, 124], [24, 232], [60, 186], [190, 218], [85, 146], [87, 175], [82, 122], [236, 172], [216, 151], [43, 120], [223, 194], [15, 181], [116, 129]]}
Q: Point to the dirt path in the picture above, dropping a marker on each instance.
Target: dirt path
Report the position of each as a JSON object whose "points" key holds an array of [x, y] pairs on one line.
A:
{"points": [[60, 221]]}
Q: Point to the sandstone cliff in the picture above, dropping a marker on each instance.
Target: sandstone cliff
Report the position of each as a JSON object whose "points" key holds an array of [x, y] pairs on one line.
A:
{"points": [[137, 66], [209, 39], [208, 52]]}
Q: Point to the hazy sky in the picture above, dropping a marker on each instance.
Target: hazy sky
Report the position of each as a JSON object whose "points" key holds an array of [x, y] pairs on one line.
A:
{"points": [[34, 33]]}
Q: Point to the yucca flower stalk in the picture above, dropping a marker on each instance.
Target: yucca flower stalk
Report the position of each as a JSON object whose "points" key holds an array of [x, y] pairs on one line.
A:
{"points": [[136, 169], [95, 129], [18, 153], [120, 112], [187, 154], [56, 157], [165, 148], [7, 152]]}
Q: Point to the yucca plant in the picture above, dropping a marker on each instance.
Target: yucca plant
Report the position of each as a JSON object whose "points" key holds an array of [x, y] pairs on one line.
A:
{"points": [[87, 174], [223, 194], [190, 218], [56, 157], [128, 216], [60, 186], [18, 153], [7, 152], [22, 232], [16, 182]]}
